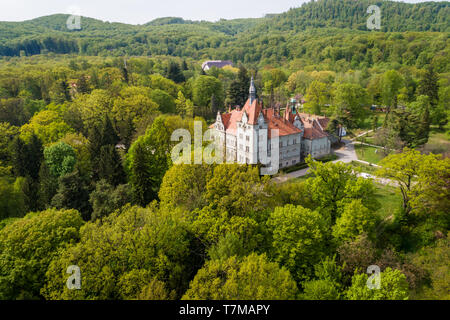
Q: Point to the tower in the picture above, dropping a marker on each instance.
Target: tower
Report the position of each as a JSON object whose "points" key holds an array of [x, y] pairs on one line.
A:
{"points": [[252, 91]]}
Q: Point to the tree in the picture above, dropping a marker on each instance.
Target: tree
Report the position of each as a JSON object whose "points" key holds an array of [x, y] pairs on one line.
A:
{"points": [[60, 159], [252, 277], [298, 82], [18, 156], [174, 73], [334, 185], [81, 146], [428, 86], [110, 165], [316, 97], [357, 254], [103, 136], [133, 105], [165, 101], [393, 287], [228, 246], [73, 193], [27, 247], [374, 122], [89, 110], [149, 158], [238, 90], [48, 186], [47, 125], [13, 111], [7, 135], [354, 220], [434, 259], [204, 88], [298, 239], [351, 101], [320, 290], [183, 186], [184, 107], [391, 83], [12, 202], [422, 180], [121, 255], [140, 175], [421, 109], [328, 285], [105, 199], [229, 182]]}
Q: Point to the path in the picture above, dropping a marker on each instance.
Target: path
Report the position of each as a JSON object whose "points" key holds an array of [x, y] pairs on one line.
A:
{"points": [[346, 154]]}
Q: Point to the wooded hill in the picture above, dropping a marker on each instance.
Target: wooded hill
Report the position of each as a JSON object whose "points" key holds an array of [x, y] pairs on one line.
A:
{"points": [[222, 39]]}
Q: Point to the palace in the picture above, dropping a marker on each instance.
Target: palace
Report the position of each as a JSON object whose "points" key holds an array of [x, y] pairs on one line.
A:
{"points": [[245, 134]]}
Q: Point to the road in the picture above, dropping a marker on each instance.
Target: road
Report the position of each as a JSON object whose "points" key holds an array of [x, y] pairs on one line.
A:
{"points": [[345, 154]]}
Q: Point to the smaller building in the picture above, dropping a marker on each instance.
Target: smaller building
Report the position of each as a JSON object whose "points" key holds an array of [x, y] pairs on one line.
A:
{"points": [[216, 63], [316, 141]]}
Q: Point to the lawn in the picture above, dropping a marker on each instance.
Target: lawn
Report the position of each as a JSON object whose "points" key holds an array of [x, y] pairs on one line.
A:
{"points": [[389, 198], [369, 154], [364, 167], [367, 123], [437, 143]]}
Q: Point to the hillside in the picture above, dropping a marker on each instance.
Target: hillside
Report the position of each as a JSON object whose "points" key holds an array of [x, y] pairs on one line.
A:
{"points": [[223, 39], [395, 16]]}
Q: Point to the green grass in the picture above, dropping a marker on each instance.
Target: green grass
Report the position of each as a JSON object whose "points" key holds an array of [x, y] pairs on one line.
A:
{"points": [[367, 153], [364, 167], [389, 198], [367, 123], [438, 142]]}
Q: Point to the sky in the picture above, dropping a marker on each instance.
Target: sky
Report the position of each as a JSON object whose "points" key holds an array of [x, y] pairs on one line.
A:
{"points": [[142, 11]]}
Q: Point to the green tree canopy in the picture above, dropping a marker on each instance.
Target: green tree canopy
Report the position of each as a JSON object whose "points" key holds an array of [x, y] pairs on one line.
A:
{"points": [[28, 246], [250, 278]]}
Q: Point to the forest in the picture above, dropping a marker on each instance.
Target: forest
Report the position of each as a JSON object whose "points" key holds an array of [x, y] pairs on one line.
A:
{"points": [[86, 176]]}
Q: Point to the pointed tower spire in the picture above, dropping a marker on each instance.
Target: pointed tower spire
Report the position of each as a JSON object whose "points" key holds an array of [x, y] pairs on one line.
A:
{"points": [[252, 91]]}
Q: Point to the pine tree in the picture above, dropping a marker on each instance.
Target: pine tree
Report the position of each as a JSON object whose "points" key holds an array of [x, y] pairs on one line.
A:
{"points": [[213, 106], [73, 193], [110, 165], [184, 66], [141, 179], [18, 158], [34, 157], [429, 86], [174, 73], [48, 185]]}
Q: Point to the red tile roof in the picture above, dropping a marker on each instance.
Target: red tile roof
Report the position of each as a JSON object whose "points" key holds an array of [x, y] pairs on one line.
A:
{"points": [[253, 111], [314, 125]]}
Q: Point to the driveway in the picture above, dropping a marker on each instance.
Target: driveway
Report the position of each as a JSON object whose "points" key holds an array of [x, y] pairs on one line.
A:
{"points": [[345, 154]]}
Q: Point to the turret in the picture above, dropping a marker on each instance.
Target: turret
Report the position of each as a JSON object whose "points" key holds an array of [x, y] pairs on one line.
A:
{"points": [[252, 91]]}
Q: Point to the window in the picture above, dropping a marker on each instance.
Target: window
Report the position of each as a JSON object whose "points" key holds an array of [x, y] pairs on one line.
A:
{"points": [[241, 147], [295, 141], [247, 149], [240, 136], [247, 138]]}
